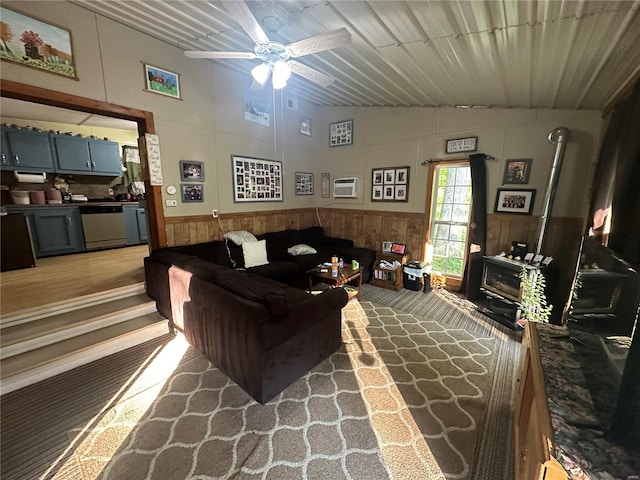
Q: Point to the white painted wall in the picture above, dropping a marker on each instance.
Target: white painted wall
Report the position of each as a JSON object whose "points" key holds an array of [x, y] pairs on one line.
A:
{"points": [[207, 125]]}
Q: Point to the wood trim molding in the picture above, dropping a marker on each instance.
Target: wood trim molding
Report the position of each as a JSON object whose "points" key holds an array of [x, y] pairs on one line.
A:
{"points": [[228, 216], [144, 119], [381, 213]]}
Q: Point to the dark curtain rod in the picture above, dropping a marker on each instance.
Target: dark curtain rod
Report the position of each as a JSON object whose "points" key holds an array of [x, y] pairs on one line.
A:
{"points": [[431, 160]]}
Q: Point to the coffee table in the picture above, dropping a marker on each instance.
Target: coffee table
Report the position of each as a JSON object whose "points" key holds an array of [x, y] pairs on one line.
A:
{"points": [[345, 275]]}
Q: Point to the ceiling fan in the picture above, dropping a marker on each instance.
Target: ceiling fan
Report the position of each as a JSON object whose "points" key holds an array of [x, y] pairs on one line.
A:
{"points": [[276, 57]]}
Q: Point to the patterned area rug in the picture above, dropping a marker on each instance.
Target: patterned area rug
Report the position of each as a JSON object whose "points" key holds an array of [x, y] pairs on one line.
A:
{"points": [[405, 397]]}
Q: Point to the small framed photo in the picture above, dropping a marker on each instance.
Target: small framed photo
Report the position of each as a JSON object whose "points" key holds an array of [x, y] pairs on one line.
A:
{"points": [[305, 125], [386, 247], [517, 171], [515, 201], [401, 192], [341, 133], [377, 177], [401, 176], [325, 185], [192, 171], [389, 177], [389, 192], [456, 145], [192, 192], [304, 183], [399, 248], [163, 82], [377, 192]]}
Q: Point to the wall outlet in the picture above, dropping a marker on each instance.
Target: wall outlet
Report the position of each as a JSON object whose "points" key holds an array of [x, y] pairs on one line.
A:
{"points": [[171, 203], [214, 212]]}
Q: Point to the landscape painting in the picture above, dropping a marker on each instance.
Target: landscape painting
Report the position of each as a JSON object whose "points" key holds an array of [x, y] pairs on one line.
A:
{"points": [[162, 81], [36, 44]]}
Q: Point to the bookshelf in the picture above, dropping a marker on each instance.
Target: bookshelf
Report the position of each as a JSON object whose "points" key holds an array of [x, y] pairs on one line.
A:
{"points": [[390, 278]]}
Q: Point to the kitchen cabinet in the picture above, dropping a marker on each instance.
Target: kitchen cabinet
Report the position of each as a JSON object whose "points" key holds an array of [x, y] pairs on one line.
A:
{"points": [[135, 218], [86, 156], [26, 150], [54, 230]]}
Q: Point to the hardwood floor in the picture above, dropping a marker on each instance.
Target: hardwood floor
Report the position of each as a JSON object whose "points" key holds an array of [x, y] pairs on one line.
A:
{"points": [[70, 276]]}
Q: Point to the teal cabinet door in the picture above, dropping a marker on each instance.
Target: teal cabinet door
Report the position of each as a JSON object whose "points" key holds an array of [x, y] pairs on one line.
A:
{"points": [[30, 151], [105, 157], [57, 231], [141, 218], [5, 159], [135, 218], [72, 154]]}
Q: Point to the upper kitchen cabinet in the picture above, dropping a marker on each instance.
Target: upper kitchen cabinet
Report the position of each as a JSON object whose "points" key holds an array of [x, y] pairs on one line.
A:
{"points": [[26, 150], [105, 157], [86, 156]]}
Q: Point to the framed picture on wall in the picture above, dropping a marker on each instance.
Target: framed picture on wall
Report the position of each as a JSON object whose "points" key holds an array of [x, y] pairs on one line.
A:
{"points": [[341, 133], [36, 44], [161, 81], [516, 171], [192, 171], [305, 125], [515, 201], [256, 179], [390, 184], [304, 183], [192, 192]]}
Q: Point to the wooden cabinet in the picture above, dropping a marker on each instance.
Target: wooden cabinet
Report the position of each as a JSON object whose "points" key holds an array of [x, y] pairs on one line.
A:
{"points": [[26, 150], [54, 230], [86, 156], [390, 278], [533, 433], [135, 218]]}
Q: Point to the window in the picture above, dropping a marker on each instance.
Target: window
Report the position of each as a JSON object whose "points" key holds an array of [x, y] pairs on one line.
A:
{"points": [[450, 211]]}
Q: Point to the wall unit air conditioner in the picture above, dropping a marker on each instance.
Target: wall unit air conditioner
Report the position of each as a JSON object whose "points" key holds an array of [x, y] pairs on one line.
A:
{"points": [[345, 187]]}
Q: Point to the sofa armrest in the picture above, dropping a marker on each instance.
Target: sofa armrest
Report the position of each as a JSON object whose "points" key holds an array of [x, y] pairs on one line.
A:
{"points": [[334, 242]]}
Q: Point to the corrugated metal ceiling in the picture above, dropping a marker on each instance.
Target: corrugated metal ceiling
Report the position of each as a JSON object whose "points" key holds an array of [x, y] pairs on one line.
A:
{"points": [[506, 53]]}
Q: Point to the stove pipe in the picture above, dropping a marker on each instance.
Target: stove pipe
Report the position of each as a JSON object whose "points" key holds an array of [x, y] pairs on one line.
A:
{"points": [[559, 137]]}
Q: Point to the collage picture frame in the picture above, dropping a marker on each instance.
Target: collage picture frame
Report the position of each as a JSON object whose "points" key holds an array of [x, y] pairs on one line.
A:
{"points": [[390, 184], [515, 201], [341, 133], [304, 183], [256, 179]]}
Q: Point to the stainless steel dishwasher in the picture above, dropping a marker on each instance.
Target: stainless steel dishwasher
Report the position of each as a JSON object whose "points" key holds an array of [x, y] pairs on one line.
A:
{"points": [[103, 226]]}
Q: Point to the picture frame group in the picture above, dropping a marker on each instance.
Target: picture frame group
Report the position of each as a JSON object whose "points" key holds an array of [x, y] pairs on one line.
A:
{"points": [[390, 184], [515, 201]]}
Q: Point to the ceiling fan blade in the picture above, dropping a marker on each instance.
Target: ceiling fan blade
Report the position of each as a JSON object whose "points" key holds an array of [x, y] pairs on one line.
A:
{"points": [[241, 14], [198, 54], [310, 73], [326, 41]]}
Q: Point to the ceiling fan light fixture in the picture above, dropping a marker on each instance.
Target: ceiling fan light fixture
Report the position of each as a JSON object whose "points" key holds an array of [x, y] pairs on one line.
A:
{"points": [[281, 73], [261, 73]]}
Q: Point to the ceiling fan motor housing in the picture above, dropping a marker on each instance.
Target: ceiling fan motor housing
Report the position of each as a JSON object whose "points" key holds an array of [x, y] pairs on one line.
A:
{"points": [[272, 52]]}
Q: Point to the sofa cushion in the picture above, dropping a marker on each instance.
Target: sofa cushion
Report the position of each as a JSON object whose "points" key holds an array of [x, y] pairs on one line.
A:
{"points": [[255, 253], [267, 294], [301, 249], [279, 242], [240, 236], [313, 236], [283, 271]]}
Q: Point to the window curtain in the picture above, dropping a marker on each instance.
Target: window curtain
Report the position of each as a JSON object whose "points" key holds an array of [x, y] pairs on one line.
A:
{"points": [[472, 278], [616, 188]]}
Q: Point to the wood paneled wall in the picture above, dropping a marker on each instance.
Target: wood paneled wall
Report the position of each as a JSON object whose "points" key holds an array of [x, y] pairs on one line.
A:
{"points": [[204, 228], [369, 228]]}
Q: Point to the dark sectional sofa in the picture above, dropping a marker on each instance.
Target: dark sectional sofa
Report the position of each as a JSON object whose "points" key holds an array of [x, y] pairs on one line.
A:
{"points": [[257, 325]]}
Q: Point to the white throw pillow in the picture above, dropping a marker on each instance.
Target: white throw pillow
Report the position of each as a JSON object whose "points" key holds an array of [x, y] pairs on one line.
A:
{"points": [[255, 253], [240, 236], [301, 249]]}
